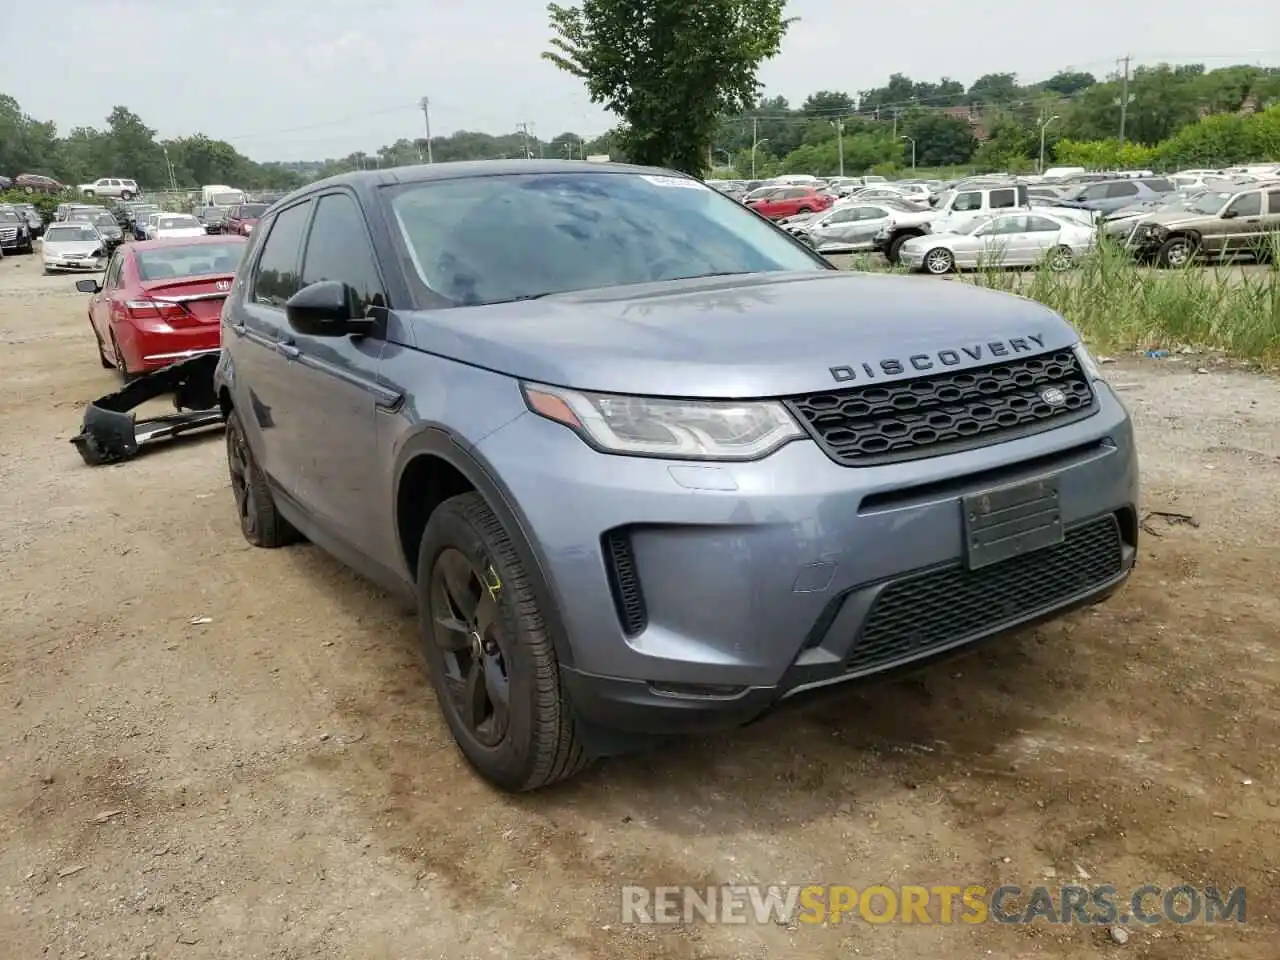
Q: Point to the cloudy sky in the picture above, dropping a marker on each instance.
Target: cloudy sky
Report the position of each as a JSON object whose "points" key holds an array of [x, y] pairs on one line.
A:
{"points": [[302, 79]]}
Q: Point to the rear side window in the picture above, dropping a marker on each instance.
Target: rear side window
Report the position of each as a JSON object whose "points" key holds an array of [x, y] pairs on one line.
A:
{"points": [[1160, 185], [1121, 190], [276, 278], [338, 249], [1273, 202], [1247, 205], [1003, 199]]}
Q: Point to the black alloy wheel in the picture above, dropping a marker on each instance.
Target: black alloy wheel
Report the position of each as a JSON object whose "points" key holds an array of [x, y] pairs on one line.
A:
{"points": [[467, 627]]}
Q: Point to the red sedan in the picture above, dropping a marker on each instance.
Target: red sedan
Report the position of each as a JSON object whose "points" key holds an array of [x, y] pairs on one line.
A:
{"points": [[790, 201], [161, 301], [242, 218]]}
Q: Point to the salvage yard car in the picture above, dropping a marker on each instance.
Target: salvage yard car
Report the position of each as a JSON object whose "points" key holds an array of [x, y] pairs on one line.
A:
{"points": [[1014, 240], [645, 463], [15, 232], [72, 246], [159, 301]]}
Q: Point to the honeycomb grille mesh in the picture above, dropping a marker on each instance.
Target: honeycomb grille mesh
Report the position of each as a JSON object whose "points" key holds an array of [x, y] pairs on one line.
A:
{"points": [[932, 611], [928, 416]]}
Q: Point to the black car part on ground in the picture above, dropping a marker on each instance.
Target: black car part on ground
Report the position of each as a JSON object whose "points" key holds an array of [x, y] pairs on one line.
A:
{"points": [[112, 433]]}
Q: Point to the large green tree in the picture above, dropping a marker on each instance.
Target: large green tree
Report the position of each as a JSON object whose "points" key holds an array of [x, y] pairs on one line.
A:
{"points": [[668, 68]]}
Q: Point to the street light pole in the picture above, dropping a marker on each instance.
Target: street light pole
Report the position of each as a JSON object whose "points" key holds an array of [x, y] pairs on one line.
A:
{"points": [[913, 149], [1043, 124], [839, 125], [754, 144]]}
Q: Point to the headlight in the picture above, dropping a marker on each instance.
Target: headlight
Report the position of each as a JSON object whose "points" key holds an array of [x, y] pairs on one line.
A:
{"points": [[658, 427], [1087, 363]]}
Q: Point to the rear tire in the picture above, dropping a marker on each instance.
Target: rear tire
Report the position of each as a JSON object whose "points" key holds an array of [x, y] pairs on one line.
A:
{"points": [[1061, 259], [490, 653], [260, 521], [119, 362]]}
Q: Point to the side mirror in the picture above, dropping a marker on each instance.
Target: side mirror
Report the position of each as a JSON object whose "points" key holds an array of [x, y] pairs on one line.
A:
{"points": [[88, 286], [1230, 214], [326, 308]]}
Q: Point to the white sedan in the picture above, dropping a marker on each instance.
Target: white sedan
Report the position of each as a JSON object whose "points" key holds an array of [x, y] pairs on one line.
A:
{"points": [[1008, 240]]}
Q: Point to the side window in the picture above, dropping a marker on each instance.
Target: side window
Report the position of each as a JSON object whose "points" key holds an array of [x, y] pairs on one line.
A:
{"points": [[1096, 192], [1247, 204], [111, 279], [1121, 190], [1003, 200], [338, 249], [1041, 225], [872, 213], [1007, 225], [844, 215], [276, 277], [1273, 202], [967, 201], [1160, 185]]}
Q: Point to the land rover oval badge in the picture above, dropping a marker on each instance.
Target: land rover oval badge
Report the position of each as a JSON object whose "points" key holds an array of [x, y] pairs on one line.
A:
{"points": [[1053, 397]]}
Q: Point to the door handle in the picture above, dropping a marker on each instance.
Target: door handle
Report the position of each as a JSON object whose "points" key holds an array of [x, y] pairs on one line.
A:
{"points": [[289, 350]]}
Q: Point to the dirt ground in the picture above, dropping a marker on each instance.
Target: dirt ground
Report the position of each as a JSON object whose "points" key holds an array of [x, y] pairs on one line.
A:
{"points": [[277, 783]]}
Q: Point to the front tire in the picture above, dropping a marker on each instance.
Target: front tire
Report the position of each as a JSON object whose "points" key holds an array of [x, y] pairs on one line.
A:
{"points": [[260, 521], [894, 253], [939, 261], [1176, 252], [89, 194], [489, 651], [126, 195]]}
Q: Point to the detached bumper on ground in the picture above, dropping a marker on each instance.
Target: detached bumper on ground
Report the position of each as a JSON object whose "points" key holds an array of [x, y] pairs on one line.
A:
{"points": [[112, 433]]}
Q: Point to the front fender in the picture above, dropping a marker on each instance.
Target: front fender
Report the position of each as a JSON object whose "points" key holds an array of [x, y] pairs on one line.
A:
{"points": [[438, 442]]}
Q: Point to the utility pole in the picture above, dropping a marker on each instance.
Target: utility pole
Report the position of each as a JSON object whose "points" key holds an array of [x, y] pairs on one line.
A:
{"points": [[426, 115], [1125, 97], [839, 122], [524, 129], [897, 111], [755, 142], [1044, 122]]}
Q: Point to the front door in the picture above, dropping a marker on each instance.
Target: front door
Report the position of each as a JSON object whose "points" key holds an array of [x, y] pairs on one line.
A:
{"points": [[264, 355], [100, 302], [338, 396], [1244, 232]]}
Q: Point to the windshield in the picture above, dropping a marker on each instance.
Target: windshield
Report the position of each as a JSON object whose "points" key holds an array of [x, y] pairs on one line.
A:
{"points": [[210, 212], [499, 238], [8, 216], [195, 260], [177, 223], [1209, 203], [70, 234], [251, 211], [105, 220], [761, 192], [227, 199]]}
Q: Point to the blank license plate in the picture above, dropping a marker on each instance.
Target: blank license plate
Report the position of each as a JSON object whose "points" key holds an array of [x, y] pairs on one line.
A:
{"points": [[1011, 522]]}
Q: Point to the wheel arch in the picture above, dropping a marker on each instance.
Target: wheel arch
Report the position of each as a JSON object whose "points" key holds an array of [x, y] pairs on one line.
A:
{"points": [[433, 466]]}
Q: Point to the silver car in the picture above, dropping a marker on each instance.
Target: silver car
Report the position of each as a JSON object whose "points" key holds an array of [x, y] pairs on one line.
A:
{"points": [[72, 246], [1009, 240], [845, 228]]}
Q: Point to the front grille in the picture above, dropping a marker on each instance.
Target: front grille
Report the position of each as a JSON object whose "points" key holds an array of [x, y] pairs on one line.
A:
{"points": [[928, 612], [624, 582], [8, 233], [946, 412]]}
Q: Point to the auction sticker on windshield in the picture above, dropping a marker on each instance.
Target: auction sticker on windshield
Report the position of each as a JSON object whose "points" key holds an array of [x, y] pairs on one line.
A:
{"points": [[674, 182]]}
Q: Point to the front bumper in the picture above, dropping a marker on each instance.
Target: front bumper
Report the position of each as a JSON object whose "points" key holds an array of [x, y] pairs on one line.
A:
{"points": [[92, 264], [743, 584]]}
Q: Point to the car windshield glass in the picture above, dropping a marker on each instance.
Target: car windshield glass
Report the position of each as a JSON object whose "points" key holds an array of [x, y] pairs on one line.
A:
{"points": [[105, 220], [499, 238], [8, 216], [1209, 203], [252, 211], [191, 261], [174, 223], [212, 212], [70, 234], [226, 199]]}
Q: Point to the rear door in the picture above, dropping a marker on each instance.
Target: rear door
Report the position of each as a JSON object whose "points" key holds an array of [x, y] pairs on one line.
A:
{"points": [[263, 352], [100, 302], [1244, 232]]}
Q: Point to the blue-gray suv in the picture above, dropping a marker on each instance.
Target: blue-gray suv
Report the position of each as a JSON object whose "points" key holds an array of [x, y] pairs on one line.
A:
{"points": [[644, 463]]}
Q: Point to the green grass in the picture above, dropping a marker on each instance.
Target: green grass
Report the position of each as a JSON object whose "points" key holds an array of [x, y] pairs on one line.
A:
{"points": [[1118, 306]]}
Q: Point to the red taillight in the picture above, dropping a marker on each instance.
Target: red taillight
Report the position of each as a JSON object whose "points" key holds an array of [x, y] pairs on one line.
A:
{"points": [[159, 311]]}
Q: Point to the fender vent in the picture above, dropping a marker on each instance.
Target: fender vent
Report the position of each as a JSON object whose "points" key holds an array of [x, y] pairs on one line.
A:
{"points": [[624, 582]]}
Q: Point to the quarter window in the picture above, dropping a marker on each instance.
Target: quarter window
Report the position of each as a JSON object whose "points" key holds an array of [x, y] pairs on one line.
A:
{"points": [[1041, 225], [338, 249], [1004, 199], [1121, 190], [276, 277], [1273, 202]]}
